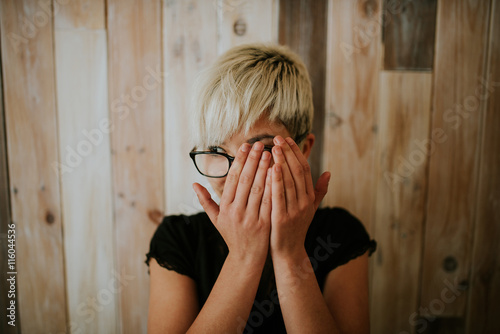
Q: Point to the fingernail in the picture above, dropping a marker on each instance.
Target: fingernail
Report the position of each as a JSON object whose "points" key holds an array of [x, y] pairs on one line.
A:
{"points": [[245, 147], [279, 139], [265, 155], [290, 141], [278, 168], [277, 150], [257, 146]]}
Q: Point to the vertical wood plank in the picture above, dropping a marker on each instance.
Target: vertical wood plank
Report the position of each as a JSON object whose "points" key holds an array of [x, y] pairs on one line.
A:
{"points": [[351, 105], [245, 21], [405, 104], [5, 220], [89, 14], [86, 183], [30, 114], [135, 94], [409, 32], [189, 45], [453, 170], [303, 27], [483, 306]]}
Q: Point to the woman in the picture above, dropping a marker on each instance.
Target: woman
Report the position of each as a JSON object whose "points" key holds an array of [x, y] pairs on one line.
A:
{"points": [[266, 260]]}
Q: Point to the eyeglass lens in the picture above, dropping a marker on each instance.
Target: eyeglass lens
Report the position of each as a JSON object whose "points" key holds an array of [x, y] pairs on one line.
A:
{"points": [[214, 165]]}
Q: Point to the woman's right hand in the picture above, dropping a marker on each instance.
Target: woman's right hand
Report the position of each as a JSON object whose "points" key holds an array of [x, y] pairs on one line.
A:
{"points": [[244, 215]]}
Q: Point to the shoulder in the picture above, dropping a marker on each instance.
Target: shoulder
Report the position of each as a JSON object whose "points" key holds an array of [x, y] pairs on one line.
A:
{"points": [[338, 221], [187, 226], [335, 237], [175, 242]]}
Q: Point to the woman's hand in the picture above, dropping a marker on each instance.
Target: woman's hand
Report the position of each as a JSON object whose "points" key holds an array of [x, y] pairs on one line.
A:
{"points": [[294, 199], [244, 215]]}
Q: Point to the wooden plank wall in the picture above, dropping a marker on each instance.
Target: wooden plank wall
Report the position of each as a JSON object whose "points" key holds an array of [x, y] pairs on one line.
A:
{"points": [[484, 293], [454, 164], [95, 97], [82, 106], [302, 26], [5, 221], [135, 78], [32, 147]]}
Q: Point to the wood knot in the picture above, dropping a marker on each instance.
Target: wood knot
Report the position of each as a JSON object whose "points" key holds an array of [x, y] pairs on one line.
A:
{"points": [[370, 8], [240, 27], [450, 264], [155, 216], [49, 218]]}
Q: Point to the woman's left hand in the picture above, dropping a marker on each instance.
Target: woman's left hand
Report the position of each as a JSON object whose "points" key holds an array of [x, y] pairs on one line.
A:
{"points": [[294, 199]]}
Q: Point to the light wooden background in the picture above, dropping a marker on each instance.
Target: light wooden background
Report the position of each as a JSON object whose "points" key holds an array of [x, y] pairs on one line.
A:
{"points": [[93, 148]]}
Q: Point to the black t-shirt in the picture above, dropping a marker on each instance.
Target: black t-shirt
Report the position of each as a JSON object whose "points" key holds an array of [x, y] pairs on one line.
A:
{"points": [[192, 246]]}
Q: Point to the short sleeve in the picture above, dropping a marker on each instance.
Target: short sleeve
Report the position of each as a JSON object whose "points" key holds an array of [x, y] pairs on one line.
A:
{"points": [[338, 237], [356, 241], [173, 245]]}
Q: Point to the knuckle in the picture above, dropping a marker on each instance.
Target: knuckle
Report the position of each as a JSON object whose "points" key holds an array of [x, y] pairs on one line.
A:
{"points": [[256, 190], [254, 156], [266, 200], [280, 195], [232, 177], [303, 206], [306, 168], [245, 179], [299, 170], [289, 184]]}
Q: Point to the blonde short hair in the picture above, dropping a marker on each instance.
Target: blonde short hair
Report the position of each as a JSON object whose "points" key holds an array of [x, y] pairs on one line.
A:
{"points": [[245, 83]]}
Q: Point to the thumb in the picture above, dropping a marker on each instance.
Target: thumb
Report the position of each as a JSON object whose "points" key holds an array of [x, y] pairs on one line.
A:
{"points": [[321, 188], [206, 201]]}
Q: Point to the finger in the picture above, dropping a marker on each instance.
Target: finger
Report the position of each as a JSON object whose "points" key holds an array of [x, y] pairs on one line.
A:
{"points": [[278, 191], [259, 183], [266, 204], [305, 166], [233, 176], [206, 201], [294, 165], [288, 183], [321, 188], [248, 174]]}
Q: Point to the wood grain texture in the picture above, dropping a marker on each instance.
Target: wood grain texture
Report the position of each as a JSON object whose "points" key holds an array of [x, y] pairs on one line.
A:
{"points": [[5, 220], [30, 115], [483, 306], [405, 104], [459, 70], [86, 14], [81, 68], [303, 27], [409, 32], [135, 95], [351, 105], [189, 45], [244, 21]]}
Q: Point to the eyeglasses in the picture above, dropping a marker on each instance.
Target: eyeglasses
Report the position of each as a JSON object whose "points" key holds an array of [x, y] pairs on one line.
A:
{"points": [[217, 164]]}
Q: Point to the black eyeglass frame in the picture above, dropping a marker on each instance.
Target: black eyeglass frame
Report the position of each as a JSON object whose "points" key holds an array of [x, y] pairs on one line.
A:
{"points": [[194, 153]]}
